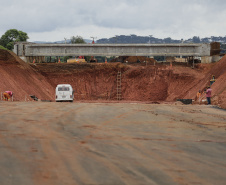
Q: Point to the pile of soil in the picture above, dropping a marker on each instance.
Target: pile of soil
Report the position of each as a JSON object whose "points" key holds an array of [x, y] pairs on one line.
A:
{"points": [[153, 82], [19, 77]]}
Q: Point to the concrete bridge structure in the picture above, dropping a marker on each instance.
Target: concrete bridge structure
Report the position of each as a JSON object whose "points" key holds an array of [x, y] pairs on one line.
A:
{"points": [[31, 50]]}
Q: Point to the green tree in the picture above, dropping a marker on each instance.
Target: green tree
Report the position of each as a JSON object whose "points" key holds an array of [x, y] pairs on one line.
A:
{"points": [[168, 40], [13, 35], [223, 48], [77, 40]]}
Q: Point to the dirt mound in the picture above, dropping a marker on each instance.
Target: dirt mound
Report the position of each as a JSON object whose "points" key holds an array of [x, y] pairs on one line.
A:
{"points": [[19, 77]]}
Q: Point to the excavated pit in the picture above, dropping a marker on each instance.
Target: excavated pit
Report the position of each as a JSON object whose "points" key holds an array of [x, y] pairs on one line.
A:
{"points": [[99, 81], [147, 82]]}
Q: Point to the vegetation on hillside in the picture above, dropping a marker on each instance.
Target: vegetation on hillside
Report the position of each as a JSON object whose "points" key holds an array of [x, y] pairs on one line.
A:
{"points": [[77, 40], [153, 40], [1, 47]]}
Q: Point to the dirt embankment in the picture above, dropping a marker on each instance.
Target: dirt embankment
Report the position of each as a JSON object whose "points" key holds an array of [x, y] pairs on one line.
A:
{"points": [[138, 83], [144, 82], [19, 77], [219, 87]]}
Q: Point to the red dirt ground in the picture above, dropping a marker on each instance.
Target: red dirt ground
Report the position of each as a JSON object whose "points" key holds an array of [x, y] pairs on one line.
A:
{"points": [[19, 77], [152, 83]]}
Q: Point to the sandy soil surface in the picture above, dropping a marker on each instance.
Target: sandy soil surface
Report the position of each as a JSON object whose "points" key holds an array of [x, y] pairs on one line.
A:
{"points": [[111, 143]]}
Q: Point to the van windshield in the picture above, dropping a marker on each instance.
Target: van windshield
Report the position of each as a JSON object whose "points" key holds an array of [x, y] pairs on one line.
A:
{"points": [[63, 89]]}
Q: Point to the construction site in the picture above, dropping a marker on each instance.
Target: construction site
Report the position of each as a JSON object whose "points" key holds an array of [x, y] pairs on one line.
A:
{"points": [[147, 81], [128, 123]]}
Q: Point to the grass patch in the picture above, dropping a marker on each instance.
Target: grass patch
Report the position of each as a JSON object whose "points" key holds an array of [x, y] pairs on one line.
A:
{"points": [[1, 47]]}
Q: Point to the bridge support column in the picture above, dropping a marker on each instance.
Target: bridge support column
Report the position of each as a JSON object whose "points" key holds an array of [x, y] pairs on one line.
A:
{"points": [[36, 59]]}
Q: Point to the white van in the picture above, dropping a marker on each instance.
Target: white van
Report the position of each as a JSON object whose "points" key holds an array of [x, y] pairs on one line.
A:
{"points": [[64, 92]]}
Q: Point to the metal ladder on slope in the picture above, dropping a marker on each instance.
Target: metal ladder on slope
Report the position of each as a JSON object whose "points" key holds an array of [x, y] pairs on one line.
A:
{"points": [[119, 85]]}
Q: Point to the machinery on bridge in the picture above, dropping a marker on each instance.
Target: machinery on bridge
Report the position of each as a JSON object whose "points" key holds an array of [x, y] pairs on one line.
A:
{"points": [[80, 59]]}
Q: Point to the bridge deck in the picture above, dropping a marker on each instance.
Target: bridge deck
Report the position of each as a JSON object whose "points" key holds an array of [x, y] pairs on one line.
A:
{"points": [[29, 49]]}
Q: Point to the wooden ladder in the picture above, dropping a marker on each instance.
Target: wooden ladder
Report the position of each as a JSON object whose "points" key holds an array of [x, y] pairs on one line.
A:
{"points": [[119, 85]]}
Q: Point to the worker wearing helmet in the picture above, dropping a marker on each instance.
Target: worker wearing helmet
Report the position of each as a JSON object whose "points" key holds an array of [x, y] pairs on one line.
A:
{"points": [[7, 95], [212, 80]]}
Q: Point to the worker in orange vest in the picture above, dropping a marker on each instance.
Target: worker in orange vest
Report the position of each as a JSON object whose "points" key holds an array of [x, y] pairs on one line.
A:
{"points": [[198, 96]]}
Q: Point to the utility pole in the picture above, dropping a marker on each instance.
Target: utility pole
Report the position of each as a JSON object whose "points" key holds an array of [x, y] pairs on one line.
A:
{"points": [[150, 39]]}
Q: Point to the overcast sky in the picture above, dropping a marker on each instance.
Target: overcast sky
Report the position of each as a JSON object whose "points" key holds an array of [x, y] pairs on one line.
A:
{"points": [[54, 20]]}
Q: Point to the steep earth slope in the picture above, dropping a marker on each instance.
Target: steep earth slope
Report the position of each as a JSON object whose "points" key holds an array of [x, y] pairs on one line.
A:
{"points": [[219, 87], [19, 77]]}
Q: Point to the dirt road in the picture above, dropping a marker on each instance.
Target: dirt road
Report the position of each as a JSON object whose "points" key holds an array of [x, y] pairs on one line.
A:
{"points": [[108, 143]]}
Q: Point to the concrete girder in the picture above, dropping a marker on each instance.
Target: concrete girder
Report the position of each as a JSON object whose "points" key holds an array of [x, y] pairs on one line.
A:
{"points": [[182, 49]]}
